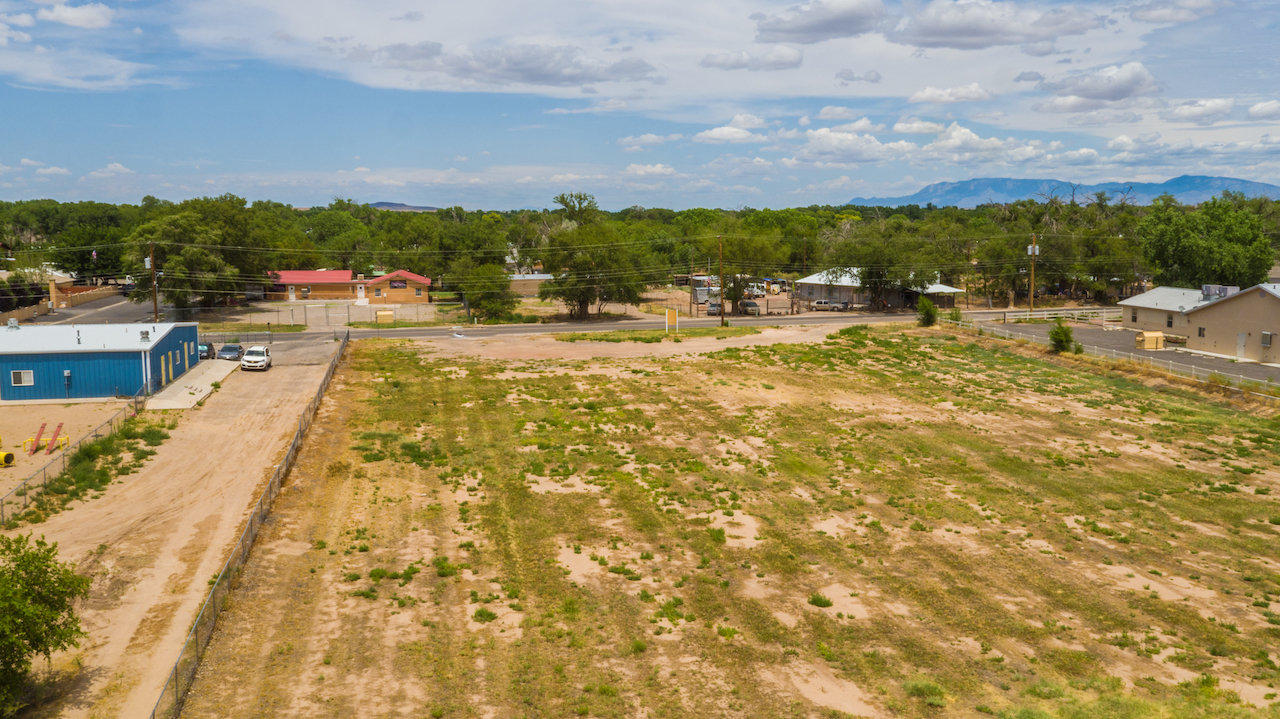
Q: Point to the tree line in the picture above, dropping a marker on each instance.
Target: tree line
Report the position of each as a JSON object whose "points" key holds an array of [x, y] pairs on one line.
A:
{"points": [[209, 250]]}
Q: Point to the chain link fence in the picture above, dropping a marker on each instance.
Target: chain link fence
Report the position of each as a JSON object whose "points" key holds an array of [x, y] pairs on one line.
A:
{"points": [[183, 673], [28, 490]]}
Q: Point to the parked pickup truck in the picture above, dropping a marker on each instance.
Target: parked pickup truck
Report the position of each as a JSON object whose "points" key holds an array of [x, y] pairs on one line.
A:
{"points": [[826, 306]]}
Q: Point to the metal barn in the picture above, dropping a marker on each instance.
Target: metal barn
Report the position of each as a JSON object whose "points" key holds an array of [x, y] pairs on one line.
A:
{"points": [[81, 361]]}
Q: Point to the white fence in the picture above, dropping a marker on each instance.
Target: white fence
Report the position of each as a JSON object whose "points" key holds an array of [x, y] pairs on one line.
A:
{"points": [[1248, 385], [1071, 313]]}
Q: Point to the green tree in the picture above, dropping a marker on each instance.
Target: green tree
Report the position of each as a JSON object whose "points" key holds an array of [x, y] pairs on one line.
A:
{"points": [[1060, 336], [578, 207], [1220, 242], [192, 270], [927, 312], [486, 290], [590, 266], [37, 616]]}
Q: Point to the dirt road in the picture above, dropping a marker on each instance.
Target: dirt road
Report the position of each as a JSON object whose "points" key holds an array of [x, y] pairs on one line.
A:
{"points": [[156, 538]]}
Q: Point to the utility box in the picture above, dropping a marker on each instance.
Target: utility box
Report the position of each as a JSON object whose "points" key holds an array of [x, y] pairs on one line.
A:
{"points": [[1150, 340], [385, 317]]}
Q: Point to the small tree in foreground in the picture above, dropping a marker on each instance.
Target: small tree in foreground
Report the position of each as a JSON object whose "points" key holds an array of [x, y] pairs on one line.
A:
{"points": [[1060, 336], [927, 310], [36, 613]]}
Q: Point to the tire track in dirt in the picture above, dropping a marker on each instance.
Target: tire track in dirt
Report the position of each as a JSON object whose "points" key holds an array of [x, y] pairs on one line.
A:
{"points": [[154, 538]]}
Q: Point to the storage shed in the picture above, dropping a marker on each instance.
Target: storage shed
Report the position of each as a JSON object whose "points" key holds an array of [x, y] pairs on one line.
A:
{"points": [[80, 361]]}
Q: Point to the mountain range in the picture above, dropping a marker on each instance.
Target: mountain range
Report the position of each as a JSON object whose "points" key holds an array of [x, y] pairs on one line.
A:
{"points": [[401, 207], [982, 190]]}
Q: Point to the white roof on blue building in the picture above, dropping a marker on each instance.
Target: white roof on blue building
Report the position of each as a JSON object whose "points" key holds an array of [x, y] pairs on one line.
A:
{"points": [[41, 339]]}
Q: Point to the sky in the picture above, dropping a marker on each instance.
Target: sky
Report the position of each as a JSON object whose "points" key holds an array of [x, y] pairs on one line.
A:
{"points": [[734, 103]]}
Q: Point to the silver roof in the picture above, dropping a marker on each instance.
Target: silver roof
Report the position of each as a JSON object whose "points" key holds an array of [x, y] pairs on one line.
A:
{"points": [[1169, 299], [39, 339]]}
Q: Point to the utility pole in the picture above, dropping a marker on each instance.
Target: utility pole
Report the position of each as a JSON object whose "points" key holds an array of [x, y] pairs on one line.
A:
{"points": [[155, 290], [724, 322], [1033, 249]]}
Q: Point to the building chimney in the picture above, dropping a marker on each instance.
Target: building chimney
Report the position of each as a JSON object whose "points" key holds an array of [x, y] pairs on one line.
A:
{"points": [[360, 277]]}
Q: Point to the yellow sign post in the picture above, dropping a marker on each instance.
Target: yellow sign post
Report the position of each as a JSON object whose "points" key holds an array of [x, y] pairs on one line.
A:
{"points": [[673, 321]]}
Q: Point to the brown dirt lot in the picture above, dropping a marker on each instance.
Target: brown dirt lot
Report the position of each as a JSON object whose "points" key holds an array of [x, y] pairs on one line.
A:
{"points": [[154, 538], [887, 523], [20, 422]]}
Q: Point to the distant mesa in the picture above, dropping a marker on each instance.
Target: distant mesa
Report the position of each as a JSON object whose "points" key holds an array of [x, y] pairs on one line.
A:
{"points": [[401, 207], [984, 190]]}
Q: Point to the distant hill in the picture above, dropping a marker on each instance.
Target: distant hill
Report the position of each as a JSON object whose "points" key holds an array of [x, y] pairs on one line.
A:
{"points": [[401, 207], [982, 190]]}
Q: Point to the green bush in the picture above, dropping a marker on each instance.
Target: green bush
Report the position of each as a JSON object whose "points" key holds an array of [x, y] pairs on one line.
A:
{"points": [[954, 314], [37, 598], [927, 311], [1060, 336]]}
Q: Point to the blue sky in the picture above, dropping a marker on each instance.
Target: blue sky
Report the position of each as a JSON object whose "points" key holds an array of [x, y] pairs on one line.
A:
{"points": [[492, 104]]}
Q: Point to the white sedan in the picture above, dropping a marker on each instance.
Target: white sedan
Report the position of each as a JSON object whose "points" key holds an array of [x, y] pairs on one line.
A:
{"points": [[256, 357]]}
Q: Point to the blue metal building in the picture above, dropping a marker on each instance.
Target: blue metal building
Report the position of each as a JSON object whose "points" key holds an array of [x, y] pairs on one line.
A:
{"points": [[78, 361]]}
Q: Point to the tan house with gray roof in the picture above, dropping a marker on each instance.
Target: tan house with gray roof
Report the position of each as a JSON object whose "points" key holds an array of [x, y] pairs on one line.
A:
{"points": [[1245, 325]]}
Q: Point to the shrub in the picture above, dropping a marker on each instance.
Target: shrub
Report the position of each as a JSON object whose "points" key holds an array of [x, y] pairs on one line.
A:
{"points": [[817, 599], [483, 615], [954, 314], [927, 311], [1060, 336]]}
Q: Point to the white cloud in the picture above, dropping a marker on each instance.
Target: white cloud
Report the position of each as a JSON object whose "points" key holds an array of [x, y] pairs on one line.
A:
{"points": [[963, 93], [53, 170], [27, 162], [8, 34], [779, 57], [819, 20], [848, 77], [1202, 111], [654, 170], [22, 19], [1028, 76], [862, 124], [747, 121], [961, 145], [1172, 11], [976, 24], [635, 143], [837, 112], [113, 169], [828, 146], [1109, 84], [1269, 110], [913, 126], [91, 16], [727, 133]]}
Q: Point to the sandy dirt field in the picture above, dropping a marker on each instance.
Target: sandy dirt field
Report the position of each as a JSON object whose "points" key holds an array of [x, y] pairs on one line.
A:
{"points": [[882, 524], [20, 422], [154, 539], [541, 347]]}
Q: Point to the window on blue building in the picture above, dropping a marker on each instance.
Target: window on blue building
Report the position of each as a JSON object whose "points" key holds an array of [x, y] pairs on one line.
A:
{"points": [[22, 378]]}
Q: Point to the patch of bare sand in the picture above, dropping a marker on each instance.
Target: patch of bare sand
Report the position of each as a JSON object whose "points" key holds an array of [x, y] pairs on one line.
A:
{"points": [[542, 346], [552, 485], [819, 685], [741, 530]]}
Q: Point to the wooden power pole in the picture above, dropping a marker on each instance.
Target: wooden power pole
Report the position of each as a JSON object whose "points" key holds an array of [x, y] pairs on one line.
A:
{"points": [[1033, 249], [155, 289], [724, 321]]}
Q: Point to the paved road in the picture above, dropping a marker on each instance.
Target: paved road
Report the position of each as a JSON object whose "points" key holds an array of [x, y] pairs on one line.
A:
{"points": [[114, 310]]}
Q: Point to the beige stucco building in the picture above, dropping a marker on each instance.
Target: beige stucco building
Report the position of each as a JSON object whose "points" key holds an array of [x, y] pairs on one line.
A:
{"points": [[1162, 309], [1243, 325]]}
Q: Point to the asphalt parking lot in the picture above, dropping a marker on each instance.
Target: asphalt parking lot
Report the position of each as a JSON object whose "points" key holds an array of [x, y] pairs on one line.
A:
{"points": [[1123, 341]]}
